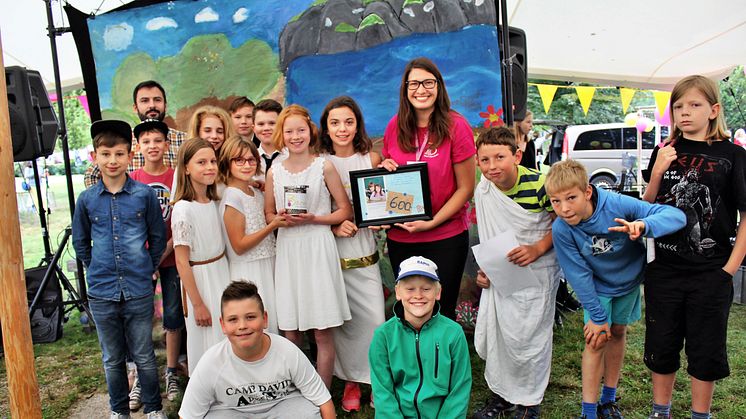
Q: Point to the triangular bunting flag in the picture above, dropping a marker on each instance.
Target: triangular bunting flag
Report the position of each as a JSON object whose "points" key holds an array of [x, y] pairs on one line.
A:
{"points": [[547, 91], [626, 94], [585, 95], [661, 101]]}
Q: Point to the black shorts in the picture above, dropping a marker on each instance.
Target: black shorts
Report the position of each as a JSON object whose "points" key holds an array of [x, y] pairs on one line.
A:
{"points": [[689, 310]]}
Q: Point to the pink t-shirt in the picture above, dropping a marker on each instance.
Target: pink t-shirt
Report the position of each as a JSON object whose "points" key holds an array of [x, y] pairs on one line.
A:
{"points": [[161, 184], [455, 149]]}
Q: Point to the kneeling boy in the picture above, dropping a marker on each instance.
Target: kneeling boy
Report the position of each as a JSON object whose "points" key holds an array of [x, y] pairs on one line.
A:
{"points": [[419, 360], [514, 331], [604, 268], [253, 373]]}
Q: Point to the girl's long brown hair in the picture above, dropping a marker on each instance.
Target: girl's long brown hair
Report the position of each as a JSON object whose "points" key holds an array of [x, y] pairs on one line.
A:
{"points": [[361, 143], [184, 188], [440, 120]]}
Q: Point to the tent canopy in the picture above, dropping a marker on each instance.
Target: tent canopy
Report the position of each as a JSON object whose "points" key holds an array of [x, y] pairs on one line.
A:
{"points": [[632, 43]]}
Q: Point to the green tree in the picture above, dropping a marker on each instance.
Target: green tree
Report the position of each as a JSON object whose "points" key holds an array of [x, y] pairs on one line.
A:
{"points": [[606, 106], [77, 120], [733, 93]]}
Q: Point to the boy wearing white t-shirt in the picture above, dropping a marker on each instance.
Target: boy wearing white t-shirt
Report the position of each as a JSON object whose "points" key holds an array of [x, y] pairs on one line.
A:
{"points": [[252, 372]]}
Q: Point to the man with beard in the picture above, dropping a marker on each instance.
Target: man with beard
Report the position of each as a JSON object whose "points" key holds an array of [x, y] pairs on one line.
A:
{"points": [[149, 103]]}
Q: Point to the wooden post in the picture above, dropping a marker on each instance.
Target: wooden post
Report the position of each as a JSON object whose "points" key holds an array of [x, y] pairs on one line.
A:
{"points": [[19, 350]]}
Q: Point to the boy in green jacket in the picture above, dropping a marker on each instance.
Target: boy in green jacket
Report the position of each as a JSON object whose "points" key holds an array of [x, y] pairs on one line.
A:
{"points": [[419, 360]]}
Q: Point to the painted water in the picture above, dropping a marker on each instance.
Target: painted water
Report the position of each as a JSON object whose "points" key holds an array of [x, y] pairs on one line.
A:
{"points": [[468, 59]]}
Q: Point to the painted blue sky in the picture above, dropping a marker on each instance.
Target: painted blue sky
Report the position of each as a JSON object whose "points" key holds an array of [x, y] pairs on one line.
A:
{"points": [[163, 29]]}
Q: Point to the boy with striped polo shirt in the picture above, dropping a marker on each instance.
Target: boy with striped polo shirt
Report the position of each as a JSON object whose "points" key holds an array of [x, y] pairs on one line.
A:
{"points": [[514, 332]]}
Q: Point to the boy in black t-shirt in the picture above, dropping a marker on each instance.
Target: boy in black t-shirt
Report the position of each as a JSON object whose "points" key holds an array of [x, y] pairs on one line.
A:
{"points": [[688, 288]]}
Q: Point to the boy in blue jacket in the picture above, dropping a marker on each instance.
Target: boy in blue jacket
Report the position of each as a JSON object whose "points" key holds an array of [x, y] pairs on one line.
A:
{"points": [[419, 359], [604, 268], [119, 234]]}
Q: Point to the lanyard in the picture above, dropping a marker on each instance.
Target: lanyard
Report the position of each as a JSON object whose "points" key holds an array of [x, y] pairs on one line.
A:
{"points": [[421, 148]]}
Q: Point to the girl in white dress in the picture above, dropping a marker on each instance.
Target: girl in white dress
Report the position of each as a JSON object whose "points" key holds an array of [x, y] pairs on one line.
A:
{"points": [[200, 253], [310, 291], [348, 147], [250, 242]]}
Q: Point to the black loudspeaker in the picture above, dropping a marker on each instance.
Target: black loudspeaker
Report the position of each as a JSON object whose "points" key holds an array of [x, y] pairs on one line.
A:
{"points": [[33, 123], [46, 320], [517, 39]]}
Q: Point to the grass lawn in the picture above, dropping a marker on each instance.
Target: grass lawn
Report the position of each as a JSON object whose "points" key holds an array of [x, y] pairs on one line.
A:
{"points": [[70, 370]]}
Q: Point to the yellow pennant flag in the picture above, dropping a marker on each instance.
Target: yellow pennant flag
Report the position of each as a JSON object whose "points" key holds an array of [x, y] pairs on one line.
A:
{"points": [[547, 91], [585, 95], [661, 100], [626, 94]]}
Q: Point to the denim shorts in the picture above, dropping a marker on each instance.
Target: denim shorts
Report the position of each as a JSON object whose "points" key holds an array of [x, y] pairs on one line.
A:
{"points": [[623, 310], [173, 313]]}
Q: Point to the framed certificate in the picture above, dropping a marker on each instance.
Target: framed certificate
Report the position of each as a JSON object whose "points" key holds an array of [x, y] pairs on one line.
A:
{"points": [[382, 197]]}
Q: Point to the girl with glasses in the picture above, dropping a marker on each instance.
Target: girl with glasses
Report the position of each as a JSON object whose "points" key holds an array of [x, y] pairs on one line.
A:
{"points": [[251, 244], [427, 130]]}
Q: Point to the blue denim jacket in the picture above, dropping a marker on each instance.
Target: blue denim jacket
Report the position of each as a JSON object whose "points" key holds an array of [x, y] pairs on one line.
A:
{"points": [[110, 232]]}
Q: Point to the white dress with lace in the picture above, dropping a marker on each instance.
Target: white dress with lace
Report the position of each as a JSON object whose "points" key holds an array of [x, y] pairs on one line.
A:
{"points": [[364, 289], [194, 225], [309, 288], [257, 264]]}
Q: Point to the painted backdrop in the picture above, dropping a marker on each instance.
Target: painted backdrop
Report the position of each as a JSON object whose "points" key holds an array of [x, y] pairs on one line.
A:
{"points": [[295, 51]]}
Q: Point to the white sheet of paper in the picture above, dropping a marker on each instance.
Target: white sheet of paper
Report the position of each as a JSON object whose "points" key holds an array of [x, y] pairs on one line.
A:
{"points": [[492, 257]]}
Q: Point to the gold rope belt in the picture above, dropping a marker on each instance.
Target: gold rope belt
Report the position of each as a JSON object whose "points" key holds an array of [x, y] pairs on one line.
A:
{"points": [[354, 263]]}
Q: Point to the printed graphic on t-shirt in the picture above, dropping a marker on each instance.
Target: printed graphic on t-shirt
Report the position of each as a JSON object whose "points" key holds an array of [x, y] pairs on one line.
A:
{"points": [[256, 393], [163, 193], [601, 245], [698, 201], [431, 154]]}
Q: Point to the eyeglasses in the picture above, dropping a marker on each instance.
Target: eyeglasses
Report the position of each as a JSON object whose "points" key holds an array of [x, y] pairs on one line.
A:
{"points": [[427, 84], [240, 161]]}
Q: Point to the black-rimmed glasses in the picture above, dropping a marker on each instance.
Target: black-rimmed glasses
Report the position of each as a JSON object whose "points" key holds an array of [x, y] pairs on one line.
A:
{"points": [[427, 84]]}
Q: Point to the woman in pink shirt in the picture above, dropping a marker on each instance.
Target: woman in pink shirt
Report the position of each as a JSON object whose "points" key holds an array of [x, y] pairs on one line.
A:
{"points": [[427, 130]]}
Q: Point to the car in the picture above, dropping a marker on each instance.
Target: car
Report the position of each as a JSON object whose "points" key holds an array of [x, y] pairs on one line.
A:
{"points": [[601, 148]]}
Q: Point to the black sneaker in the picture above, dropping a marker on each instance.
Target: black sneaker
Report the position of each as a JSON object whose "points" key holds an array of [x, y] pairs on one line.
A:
{"points": [[656, 415], [493, 408], [526, 412], [609, 410]]}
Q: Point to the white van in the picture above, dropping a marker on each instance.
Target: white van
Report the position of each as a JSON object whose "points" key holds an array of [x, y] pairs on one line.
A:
{"points": [[600, 147]]}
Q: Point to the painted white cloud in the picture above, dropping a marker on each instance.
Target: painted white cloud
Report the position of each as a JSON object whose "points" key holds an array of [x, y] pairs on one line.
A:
{"points": [[160, 23], [118, 37], [429, 6], [240, 15], [206, 15]]}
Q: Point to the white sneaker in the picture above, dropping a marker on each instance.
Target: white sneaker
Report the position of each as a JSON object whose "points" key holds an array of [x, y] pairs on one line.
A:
{"points": [[172, 386], [135, 401], [158, 414], [115, 415]]}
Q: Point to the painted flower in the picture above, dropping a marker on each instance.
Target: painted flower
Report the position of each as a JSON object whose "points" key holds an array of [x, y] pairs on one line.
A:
{"points": [[492, 118]]}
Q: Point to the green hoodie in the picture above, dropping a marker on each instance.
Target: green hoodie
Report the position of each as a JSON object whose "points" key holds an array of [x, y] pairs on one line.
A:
{"points": [[425, 374]]}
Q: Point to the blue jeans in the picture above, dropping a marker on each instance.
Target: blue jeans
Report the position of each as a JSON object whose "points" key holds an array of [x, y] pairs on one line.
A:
{"points": [[126, 326], [173, 313]]}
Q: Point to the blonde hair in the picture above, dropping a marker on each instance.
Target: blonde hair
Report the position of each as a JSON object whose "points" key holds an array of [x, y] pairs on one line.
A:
{"points": [[294, 110], [232, 148], [184, 188], [716, 129], [204, 111], [566, 175]]}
